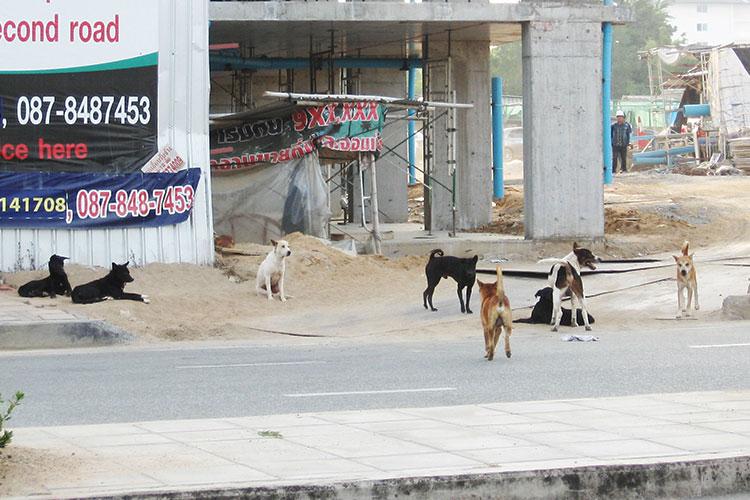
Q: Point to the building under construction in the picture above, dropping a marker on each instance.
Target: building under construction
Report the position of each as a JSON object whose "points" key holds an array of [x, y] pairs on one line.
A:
{"points": [[435, 52]]}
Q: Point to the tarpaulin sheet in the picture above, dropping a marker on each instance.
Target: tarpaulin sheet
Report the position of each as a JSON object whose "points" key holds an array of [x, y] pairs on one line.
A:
{"points": [[271, 201]]}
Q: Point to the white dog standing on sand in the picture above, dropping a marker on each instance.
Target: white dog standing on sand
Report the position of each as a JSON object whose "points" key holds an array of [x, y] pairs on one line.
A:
{"points": [[270, 278]]}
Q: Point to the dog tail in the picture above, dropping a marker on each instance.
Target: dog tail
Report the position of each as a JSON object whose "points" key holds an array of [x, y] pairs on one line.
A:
{"points": [[685, 248], [500, 287], [437, 252]]}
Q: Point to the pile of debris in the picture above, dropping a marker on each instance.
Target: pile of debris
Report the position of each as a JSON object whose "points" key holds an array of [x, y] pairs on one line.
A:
{"points": [[741, 152], [715, 166]]}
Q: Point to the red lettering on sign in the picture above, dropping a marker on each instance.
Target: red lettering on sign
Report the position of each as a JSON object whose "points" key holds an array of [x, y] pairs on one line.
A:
{"points": [[372, 112], [59, 151], [359, 114], [14, 152], [316, 117], [331, 114], [300, 120], [346, 113]]}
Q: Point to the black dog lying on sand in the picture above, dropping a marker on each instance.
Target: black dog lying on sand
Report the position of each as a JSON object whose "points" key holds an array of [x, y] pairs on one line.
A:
{"points": [[464, 271], [55, 284], [112, 286], [542, 312]]}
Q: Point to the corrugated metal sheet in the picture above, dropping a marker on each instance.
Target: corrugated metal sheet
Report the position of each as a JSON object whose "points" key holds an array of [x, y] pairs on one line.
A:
{"points": [[183, 123]]}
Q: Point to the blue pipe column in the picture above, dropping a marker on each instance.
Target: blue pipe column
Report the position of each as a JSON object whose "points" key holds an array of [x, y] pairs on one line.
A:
{"points": [[498, 188], [411, 128], [607, 97]]}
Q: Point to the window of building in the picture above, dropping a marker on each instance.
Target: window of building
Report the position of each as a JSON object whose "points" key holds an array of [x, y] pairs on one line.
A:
{"points": [[702, 27], [702, 8]]}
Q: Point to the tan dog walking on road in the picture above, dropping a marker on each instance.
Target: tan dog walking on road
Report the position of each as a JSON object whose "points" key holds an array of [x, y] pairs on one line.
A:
{"points": [[686, 280], [496, 315]]}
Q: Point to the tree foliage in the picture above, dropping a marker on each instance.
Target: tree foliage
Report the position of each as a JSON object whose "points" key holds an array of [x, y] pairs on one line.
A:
{"points": [[505, 62], [629, 74], [650, 29], [6, 435]]}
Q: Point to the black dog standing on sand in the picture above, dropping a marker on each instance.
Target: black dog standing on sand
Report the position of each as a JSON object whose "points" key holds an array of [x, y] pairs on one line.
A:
{"points": [[542, 312], [464, 271], [55, 284], [112, 286]]}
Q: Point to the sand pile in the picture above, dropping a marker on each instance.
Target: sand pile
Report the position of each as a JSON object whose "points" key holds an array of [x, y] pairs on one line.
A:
{"points": [[193, 302]]}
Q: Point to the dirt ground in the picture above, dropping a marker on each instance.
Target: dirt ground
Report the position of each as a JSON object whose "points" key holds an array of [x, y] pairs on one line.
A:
{"points": [[23, 469], [199, 303], [337, 295], [652, 213]]}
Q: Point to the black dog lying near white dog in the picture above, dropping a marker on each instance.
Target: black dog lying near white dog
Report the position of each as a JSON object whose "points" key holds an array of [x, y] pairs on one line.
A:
{"points": [[53, 285], [112, 286], [542, 312]]}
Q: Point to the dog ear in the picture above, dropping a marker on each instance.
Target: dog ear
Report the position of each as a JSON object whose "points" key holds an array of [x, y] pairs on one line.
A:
{"points": [[676, 258], [114, 265], [575, 245], [126, 264], [274, 242], [476, 258]]}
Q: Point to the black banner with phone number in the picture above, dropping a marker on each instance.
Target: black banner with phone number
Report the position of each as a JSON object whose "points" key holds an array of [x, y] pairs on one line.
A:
{"points": [[78, 121]]}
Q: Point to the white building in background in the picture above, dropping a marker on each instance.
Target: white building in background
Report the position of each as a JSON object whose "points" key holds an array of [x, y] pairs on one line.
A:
{"points": [[711, 22]]}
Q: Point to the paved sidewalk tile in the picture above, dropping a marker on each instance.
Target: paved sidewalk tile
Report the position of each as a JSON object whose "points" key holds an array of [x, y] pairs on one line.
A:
{"points": [[272, 450], [15, 309]]}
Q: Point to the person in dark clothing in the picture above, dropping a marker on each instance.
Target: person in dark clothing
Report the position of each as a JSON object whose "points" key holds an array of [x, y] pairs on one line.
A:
{"points": [[620, 131]]}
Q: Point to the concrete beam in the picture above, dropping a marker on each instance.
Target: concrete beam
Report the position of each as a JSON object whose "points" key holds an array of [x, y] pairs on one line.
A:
{"points": [[383, 11]]}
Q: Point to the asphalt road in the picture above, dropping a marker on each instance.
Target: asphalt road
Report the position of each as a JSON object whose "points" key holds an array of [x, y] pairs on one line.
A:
{"points": [[125, 385]]}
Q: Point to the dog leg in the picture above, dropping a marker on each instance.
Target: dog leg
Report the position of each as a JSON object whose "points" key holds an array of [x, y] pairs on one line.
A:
{"points": [[574, 310], [459, 290], [689, 300], [487, 335], [508, 331], [468, 298], [556, 308], [281, 289], [496, 339], [679, 301], [584, 312], [268, 287], [429, 298], [492, 334], [697, 306]]}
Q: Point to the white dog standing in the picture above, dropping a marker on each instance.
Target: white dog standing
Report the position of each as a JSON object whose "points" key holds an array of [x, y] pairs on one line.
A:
{"points": [[270, 278]]}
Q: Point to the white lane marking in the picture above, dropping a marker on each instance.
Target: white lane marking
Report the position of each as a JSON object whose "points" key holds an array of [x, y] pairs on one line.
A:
{"points": [[350, 393], [237, 365], [709, 346]]}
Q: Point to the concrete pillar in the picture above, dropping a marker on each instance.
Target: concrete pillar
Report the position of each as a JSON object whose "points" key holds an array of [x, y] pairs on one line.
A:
{"points": [[562, 130], [471, 80], [392, 175]]}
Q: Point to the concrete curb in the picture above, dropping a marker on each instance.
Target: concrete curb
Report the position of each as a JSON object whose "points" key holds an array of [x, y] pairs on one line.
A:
{"points": [[52, 335], [466, 246], [660, 480]]}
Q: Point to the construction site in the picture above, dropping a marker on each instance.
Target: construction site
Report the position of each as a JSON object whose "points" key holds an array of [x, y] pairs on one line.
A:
{"points": [[367, 135]]}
